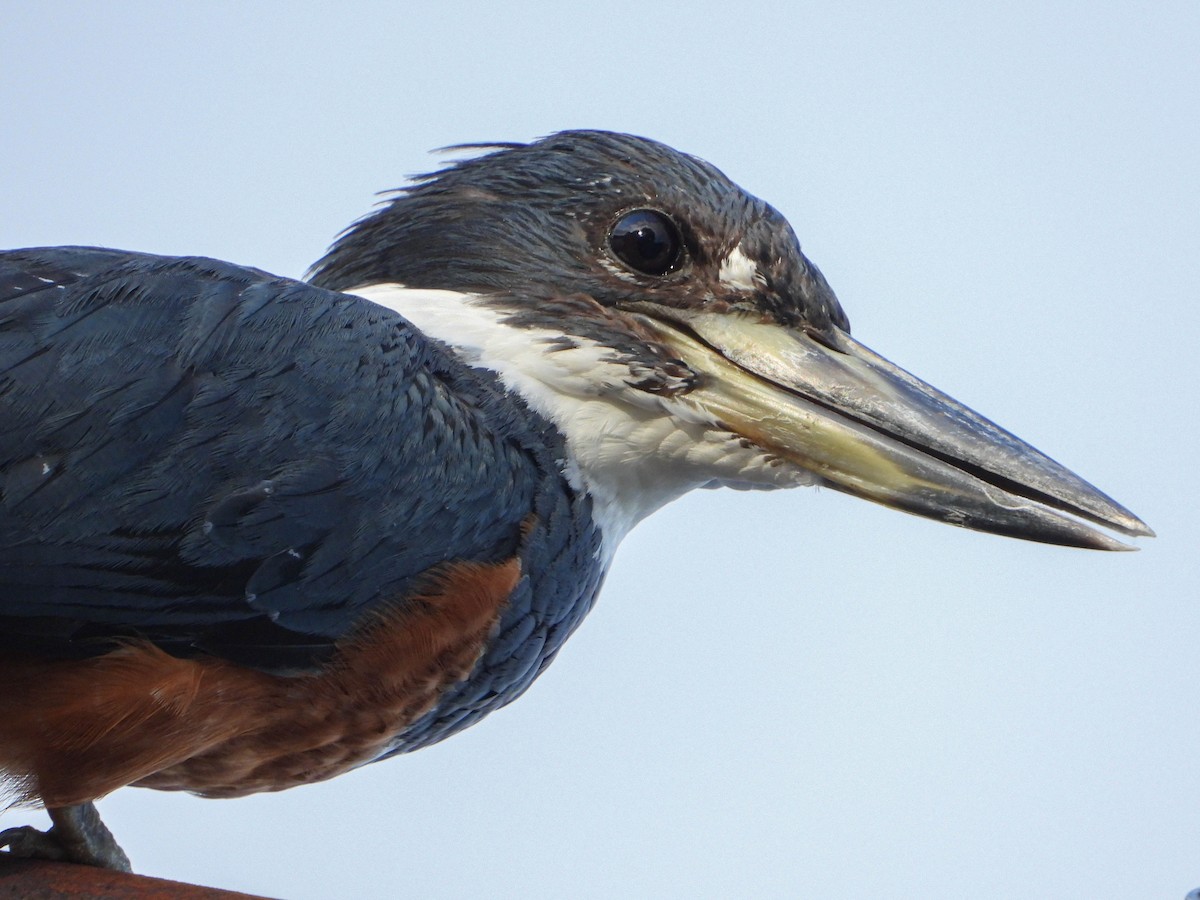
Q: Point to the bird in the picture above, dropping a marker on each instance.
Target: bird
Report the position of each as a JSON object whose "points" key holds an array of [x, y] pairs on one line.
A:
{"points": [[258, 531]]}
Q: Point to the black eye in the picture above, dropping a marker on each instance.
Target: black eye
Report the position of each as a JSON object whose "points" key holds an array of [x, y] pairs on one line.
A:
{"points": [[647, 242]]}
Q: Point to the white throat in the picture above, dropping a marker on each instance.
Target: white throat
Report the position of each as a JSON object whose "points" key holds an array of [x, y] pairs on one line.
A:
{"points": [[631, 450]]}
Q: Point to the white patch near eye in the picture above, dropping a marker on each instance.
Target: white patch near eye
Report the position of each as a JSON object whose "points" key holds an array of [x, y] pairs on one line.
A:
{"points": [[739, 272], [623, 274]]}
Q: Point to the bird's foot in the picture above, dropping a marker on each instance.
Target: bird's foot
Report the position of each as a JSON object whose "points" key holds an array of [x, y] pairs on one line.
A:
{"points": [[77, 836], [27, 842]]}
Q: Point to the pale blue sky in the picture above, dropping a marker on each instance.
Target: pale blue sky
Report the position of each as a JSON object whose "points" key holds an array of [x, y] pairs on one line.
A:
{"points": [[786, 695]]}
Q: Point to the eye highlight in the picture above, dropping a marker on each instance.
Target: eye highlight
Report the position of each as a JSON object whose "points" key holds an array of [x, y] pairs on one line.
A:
{"points": [[647, 241]]}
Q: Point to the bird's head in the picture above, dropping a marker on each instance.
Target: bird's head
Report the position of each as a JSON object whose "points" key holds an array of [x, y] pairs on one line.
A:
{"points": [[668, 323]]}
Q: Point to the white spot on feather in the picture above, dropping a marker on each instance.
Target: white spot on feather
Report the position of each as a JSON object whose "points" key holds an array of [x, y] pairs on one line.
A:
{"points": [[739, 272]]}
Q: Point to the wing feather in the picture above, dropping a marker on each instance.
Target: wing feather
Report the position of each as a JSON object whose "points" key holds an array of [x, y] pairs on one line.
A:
{"points": [[220, 459]]}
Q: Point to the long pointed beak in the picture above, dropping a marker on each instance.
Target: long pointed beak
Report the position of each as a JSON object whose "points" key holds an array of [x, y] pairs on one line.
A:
{"points": [[867, 427]]}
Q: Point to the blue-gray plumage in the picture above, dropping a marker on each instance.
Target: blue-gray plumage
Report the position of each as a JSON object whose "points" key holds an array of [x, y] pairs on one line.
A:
{"points": [[257, 531], [213, 475]]}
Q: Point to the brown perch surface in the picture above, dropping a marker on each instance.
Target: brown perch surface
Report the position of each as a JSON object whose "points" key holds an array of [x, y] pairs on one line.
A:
{"points": [[30, 879]]}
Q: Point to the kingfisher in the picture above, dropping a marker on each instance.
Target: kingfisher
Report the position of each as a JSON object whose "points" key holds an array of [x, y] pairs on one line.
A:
{"points": [[256, 532]]}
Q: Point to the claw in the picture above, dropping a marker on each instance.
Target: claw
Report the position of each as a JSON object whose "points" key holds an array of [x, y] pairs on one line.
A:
{"points": [[78, 835]]}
